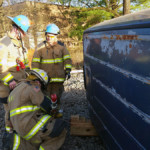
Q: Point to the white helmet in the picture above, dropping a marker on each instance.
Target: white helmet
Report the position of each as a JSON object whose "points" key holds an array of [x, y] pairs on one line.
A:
{"points": [[41, 74]]}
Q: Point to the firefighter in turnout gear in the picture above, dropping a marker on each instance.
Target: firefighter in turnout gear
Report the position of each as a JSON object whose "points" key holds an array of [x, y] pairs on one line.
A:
{"points": [[31, 114], [53, 57], [12, 59]]}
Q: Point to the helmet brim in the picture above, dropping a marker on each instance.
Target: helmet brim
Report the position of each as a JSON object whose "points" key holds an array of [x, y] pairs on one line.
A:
{"points": [[32, 72], [11, 18]]}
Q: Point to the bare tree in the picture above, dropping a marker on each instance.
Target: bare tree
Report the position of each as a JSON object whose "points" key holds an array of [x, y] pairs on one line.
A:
{"points": [[1, 2], [126, 7]]}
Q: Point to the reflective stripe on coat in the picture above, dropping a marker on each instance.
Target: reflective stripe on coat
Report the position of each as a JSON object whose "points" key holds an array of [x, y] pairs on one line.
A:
{"points": [[53, 59]]}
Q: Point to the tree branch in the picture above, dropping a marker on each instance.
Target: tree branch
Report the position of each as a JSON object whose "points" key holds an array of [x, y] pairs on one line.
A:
{"points": [[88, 5]]}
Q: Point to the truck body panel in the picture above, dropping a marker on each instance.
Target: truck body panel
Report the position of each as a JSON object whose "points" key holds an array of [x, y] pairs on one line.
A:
{"points": [[117, 80]]}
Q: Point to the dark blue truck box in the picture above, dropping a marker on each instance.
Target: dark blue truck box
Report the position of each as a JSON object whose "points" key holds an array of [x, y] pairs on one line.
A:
{"points": [[117, 80]]}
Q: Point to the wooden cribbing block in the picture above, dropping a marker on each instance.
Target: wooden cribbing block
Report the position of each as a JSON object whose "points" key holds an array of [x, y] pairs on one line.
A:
{"points": [[81, 126]]}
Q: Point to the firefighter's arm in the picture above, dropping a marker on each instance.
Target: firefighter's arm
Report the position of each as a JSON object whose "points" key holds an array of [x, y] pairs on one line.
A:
{"points": [[36, 59], [26, 55], [5, 76], [38, 98], [67, 59], [67, 62]]}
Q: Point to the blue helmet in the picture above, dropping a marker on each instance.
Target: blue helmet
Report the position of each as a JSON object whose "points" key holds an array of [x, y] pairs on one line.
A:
{"points": [[21, 21], [52, 28]]}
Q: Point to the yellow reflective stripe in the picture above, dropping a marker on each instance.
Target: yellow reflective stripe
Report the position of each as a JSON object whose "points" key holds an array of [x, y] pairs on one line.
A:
{"points": [[50, 61], [25, 61], [27, 65], [36, 60], [35, 69], [23, 109], [16, 142], [47, 61], [10, 98], [7, 78], [37, 127], [68, 66], [66, 57], [7, 128], [0, 63], [57, 79], [5, 83], [58, 60], [41, 148]]}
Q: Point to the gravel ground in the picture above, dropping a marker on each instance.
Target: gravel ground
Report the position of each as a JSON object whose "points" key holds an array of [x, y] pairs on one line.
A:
{"points": [[74, 102]]}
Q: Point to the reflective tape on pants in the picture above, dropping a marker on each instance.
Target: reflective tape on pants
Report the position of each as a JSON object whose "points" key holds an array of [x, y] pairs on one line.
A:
{"points": [[41, 148], [16, 142], [37, 127]]}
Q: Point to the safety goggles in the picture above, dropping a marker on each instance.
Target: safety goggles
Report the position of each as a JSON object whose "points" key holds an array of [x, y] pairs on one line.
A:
{"points": [[50, 36]]}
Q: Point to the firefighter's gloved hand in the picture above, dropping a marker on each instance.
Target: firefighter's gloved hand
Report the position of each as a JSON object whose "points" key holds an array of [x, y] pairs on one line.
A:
{"points": [[67, 74]]}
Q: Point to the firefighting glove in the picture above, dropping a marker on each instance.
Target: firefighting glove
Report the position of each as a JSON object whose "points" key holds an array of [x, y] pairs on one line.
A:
{"points": [[59, 126], [67, 73]]}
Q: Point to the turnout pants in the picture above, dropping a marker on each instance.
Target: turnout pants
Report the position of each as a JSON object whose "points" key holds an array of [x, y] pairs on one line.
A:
{"points": [[49, 137], [21, 144]]}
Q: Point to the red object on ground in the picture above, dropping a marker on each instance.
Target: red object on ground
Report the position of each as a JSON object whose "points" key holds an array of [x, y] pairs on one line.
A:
{"points": [[17, 68], [53, 97]]}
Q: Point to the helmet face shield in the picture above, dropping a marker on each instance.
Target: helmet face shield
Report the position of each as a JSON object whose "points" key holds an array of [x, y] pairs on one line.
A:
{"points": [[51, 39], [32, 77]]}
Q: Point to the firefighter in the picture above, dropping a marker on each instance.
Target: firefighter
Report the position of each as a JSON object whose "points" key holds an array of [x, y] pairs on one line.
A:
{"points": [[13, 60], [52, 56], [31, 114]]}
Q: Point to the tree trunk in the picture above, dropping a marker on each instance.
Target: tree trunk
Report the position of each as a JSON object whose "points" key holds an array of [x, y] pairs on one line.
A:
{"points": [[126, 7], [1, 2]]}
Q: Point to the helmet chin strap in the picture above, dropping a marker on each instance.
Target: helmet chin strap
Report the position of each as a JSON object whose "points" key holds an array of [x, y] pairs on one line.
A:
{"points": [[23, 49], [19, 34], [20, 38]]}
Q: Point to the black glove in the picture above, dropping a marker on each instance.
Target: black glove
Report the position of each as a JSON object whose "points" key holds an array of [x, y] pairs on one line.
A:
{"points": [[67, 73], [59, 126]]}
